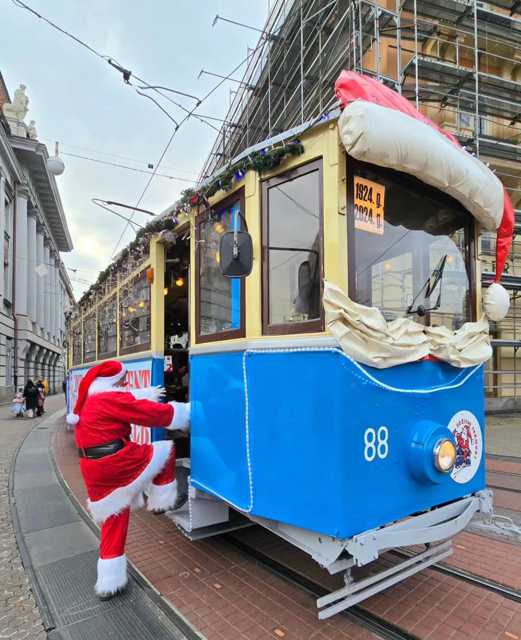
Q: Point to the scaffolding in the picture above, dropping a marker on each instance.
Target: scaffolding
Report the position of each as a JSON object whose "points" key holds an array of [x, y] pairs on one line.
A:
{"points": [[458, 60]]}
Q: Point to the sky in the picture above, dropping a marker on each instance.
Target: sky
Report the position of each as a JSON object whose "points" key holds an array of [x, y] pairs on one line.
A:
{"points": [[79, 100]]}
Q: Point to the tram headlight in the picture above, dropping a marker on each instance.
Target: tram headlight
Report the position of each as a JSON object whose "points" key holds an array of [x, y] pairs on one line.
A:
{"points": [[445, 455]]}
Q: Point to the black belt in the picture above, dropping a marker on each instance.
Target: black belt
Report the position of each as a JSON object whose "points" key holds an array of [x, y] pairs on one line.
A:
{"points": [[102, 450]]}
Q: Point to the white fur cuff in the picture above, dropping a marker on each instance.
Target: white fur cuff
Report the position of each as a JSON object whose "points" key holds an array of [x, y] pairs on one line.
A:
{"points": [[149, 393], [181, 419], [112, 575], [162, 497]]}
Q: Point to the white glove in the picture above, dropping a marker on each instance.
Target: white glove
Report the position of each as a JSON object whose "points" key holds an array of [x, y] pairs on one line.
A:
{"points": [[149, 393], [181, 419]]}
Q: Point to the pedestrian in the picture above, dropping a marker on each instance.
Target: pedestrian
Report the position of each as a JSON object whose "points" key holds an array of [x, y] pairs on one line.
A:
{"points": [[31, 398], [40, 401], [117, 471], [18, 407]]}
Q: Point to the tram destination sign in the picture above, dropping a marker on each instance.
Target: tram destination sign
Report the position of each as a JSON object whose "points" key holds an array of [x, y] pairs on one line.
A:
{"points": [[369, 205]]}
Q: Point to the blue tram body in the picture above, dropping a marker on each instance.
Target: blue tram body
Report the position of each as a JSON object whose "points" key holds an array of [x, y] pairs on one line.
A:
{"points": [[312, 439]]}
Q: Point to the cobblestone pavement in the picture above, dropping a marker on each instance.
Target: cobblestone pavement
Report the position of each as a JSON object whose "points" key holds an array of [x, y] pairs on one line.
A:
{"points": [[19, 615]]}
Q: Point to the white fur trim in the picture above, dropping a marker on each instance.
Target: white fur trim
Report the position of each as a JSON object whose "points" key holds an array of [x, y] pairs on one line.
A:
{"points": [[181, 419], [149, 393], [126, 496], [112, 575], [162, 497], [496, 302], [106, 383], [72, 419]]}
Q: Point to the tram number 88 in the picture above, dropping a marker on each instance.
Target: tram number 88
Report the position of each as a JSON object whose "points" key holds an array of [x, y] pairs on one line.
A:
{"points": [[376, 443]]}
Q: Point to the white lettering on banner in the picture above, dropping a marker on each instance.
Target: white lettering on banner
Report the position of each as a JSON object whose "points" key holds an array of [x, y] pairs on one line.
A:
{"points": [[139, 376]]}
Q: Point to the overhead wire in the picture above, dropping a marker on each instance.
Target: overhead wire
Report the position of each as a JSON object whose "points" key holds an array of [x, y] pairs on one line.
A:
{"points": [[167, 146], [127, 74], [113, 155], [123, 166]]}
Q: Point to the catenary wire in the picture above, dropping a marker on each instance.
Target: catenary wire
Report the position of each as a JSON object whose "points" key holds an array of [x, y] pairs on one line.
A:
{"points": [[126, 75], [171, 139], [123, 166]]}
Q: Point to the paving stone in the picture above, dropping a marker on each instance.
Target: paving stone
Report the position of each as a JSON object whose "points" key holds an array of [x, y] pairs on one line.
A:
{"points": [[19, 615]]}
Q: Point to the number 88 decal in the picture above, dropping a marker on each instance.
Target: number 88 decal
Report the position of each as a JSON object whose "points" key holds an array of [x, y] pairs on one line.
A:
{"points": [[376, 443]]}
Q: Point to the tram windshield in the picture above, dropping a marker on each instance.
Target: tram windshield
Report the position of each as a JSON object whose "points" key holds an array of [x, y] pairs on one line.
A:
{"points": [[409, 248]]}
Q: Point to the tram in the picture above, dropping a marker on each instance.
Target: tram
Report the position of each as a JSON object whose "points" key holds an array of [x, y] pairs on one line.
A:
{"points": [[319, 302]]}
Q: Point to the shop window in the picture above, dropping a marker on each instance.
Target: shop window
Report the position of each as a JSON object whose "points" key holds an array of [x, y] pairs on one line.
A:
{"points": [[89, 338], [292, 251], [134, 315], [77, 344], [107, 329], [220, 300]]}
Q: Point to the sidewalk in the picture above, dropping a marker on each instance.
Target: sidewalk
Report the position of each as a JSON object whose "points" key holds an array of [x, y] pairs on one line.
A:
{"points": [[504, 434], [59, 553], [19, 615]]}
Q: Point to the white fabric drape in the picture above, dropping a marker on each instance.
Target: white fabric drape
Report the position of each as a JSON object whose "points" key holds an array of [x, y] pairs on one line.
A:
{"points": [[366, 336]]}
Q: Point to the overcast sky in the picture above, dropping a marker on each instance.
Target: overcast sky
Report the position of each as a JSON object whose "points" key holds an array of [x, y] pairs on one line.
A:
{"points": [[79, 100]]}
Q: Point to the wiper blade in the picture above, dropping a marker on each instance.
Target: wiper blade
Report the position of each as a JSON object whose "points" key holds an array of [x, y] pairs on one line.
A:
{"points": [[429, 287]]}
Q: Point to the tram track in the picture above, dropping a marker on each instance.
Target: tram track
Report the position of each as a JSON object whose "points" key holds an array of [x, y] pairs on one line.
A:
{"points": [[471, 578], [369, 621]]}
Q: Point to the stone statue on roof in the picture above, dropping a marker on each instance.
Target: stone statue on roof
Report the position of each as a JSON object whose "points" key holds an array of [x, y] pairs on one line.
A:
{"points": [[16, 111], [31, 131]]}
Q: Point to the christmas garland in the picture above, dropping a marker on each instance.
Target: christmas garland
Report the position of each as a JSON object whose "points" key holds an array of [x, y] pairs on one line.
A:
{"points": [[259, 161]]}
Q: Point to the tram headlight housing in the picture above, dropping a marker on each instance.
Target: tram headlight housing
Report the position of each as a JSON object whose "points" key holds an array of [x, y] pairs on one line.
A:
{"points": [[444, 455], [432, 452]]}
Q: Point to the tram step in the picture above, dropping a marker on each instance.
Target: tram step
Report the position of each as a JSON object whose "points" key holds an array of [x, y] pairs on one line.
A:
{"points": [[200, 511]]}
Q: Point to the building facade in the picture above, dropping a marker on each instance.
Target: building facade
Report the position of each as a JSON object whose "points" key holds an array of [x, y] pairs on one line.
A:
{"points": [[458, 61], [35, 291]]}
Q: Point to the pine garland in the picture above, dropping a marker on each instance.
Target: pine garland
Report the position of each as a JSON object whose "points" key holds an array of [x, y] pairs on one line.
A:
{"points": [[259, 161]]}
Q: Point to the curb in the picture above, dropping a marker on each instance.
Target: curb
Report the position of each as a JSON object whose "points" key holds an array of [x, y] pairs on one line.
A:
{"points": [[39, 595]]}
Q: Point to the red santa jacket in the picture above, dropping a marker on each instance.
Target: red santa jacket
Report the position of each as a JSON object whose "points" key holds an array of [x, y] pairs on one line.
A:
{"points": [[116, 481], [107, 416]]}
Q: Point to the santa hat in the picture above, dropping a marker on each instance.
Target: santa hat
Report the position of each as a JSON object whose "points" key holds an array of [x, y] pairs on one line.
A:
{"points": [[100, 378], [351, 86]]}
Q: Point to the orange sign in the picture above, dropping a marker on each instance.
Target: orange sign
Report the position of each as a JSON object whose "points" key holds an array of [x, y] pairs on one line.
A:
{"points": [[369, 205]]}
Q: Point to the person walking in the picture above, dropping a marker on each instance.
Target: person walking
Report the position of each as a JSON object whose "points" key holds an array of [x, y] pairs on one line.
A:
{"points": [[18, 404], [40, 401], [31, 398], [117, 471]]}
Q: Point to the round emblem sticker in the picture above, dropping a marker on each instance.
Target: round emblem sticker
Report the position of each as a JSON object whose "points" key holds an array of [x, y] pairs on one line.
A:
{"points": [[469, 445]]}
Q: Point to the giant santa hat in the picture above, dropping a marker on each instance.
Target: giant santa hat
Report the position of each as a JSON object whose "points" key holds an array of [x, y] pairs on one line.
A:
{"points": [[351, 87], [102, 377]]}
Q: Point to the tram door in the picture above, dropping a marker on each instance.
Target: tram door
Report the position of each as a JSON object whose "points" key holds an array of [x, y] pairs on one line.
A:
{"points": [[177, 331]]}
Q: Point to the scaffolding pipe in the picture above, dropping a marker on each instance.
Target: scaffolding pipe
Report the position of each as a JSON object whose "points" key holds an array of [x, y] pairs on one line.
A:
{"points": [[476, 74], [416, 88]]}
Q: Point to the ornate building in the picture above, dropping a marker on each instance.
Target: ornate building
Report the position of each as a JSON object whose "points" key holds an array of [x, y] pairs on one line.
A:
{"points": [[35, 292]]}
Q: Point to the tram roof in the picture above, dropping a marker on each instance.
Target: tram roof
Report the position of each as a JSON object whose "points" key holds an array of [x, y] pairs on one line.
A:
{"points": [[288, 134]]}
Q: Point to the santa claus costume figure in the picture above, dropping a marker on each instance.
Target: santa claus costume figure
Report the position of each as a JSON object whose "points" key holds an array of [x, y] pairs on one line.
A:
{"points": [[116, 471]]}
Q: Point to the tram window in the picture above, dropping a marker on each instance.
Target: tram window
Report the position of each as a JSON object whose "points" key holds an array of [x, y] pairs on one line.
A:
{"points": [[134, 316], [219, 303], [77, 344], [409, 254], [89, 338], [292, 241], [107, 330]]}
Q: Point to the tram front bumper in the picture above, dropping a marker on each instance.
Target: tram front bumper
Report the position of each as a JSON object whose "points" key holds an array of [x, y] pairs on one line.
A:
{"points": [[438, 524]]}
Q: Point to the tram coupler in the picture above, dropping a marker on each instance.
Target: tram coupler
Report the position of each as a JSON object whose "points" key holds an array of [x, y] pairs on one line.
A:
{"points": [[486, 506]]}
